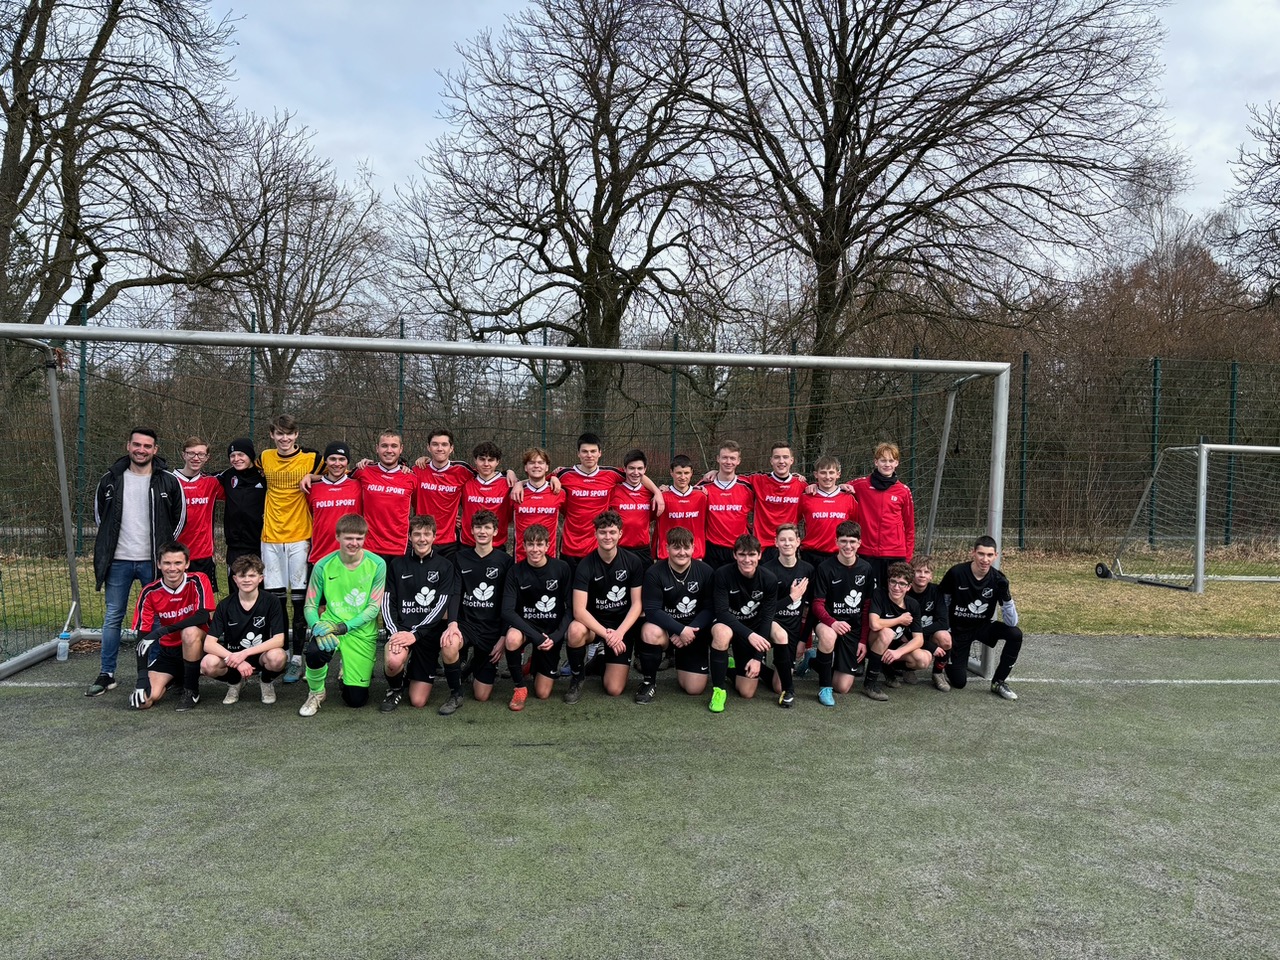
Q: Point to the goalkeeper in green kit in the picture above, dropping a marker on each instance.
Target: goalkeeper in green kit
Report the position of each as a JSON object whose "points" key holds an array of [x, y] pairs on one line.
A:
{"points": [[344, 600]]}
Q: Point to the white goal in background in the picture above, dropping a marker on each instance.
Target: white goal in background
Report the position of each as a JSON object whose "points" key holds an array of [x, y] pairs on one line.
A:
{"points": [[1209, 512]]}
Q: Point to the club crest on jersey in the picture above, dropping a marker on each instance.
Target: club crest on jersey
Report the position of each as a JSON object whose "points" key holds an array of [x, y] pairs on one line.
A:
{"points": [[433, 576], [491, 573], [259, 621], [620, 576], [553, 584], [757, 594], [692, 586], [860, 579], [987, 593]]}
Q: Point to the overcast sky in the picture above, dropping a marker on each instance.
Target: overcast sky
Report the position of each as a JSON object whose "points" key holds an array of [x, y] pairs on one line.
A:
{"points": [[364, 75]]}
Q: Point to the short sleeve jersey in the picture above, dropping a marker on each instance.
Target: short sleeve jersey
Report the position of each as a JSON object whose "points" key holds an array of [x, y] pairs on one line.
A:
{"points": [[237, 628], [821, 513], [677, 600], [201, 493], [286, 518], [386, 497], [608, 586], [158, 606], [329, 501], [482, 580], [480, 494], [635, 506], [882, 606], [540, 505], [845, 590], [790, 613], [932, 616], [972, 602], [728, 507], [777, 502], [586, 497], [439, 495], [687, 510]]}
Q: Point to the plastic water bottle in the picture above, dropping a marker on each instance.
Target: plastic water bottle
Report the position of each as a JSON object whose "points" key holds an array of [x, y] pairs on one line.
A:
{"points": [[64, 646]]}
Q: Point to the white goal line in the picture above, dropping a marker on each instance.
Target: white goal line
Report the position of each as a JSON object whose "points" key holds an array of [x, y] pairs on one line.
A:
{"points": [[1147, 683]]}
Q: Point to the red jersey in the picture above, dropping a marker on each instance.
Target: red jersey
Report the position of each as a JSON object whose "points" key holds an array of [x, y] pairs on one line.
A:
{"points": [[158, 606], [688, 510], [888, 519], [540, 505], [440, 495], [201, 492], [329, 500], [821, 513], [387, 499], [587, 496], [777, 502], [492, 494], [635, 506], [727, 509]]}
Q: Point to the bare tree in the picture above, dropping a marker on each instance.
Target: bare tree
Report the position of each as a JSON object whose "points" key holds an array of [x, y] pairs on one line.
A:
{"points": [[958, 149], [566, 201], [1253, 239]]}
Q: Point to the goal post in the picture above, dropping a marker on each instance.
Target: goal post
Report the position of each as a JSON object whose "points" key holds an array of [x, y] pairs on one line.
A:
{"points": [[757, 416], [1209, 512]]}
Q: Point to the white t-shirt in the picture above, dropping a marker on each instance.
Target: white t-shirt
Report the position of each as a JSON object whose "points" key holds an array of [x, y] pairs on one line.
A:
{"points": [[135, 518]]}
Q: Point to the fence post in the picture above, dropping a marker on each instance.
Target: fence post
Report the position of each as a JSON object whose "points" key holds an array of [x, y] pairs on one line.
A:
{"points": [[1155, 450], [82, 417], [1231, 458], [544, 392], [400, 391], [791, 402], [1022, 468]]}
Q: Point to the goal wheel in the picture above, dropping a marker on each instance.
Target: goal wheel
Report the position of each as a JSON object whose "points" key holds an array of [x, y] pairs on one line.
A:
{"points": [[1103, 571]]}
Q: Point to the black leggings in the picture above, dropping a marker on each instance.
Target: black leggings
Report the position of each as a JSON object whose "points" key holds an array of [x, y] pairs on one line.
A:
{"points": [[988, 634]]}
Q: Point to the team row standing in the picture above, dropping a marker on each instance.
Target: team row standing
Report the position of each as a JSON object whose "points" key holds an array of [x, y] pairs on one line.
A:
{"points": [[387, 491]]}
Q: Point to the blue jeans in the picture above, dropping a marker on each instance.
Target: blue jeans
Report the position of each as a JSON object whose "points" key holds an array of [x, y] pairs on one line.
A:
{"points": [[116, 590]]}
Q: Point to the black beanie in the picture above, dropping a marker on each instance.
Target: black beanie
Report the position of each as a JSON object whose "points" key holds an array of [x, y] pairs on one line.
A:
{"points": [[337, 448], [242, 445]]}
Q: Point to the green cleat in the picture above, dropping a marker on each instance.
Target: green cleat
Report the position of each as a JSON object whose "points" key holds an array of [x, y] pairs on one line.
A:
{"points": [[718, 697]]}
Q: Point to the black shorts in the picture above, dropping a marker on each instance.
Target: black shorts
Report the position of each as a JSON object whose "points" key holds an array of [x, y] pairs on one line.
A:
{"points": [[546, 663], [631, 639], [165, 659], [816, 557], [744, 651], [796, 630], [483, 669], [847, 652], [424, 656], [693, 658], [718, 556], [230, 675], [643, 554]]}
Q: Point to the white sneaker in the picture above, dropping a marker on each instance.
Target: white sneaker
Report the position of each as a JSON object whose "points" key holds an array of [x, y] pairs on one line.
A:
{"points": [[233, 694], [312, 704], [269, 692]]}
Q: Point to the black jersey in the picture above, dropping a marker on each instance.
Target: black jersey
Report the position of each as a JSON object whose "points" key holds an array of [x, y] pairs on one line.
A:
{"points": [[421, 594], [239, 629], [790, 613], [538, 601], [674, 601], [845, 591], [971, 602], [882, 606], [608, 586], [483, 580], [933, 615], [746, 606]]}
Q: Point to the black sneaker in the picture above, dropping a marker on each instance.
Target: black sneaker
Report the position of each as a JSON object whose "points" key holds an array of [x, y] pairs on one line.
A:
{"points": [[101, 685], [451, 705], [872, 691], [391, 700], [646, 693], [574, 693], [187, 701], [787, 699]]}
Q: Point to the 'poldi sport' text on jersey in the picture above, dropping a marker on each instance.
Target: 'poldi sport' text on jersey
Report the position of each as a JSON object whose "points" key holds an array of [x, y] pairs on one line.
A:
{"points": [[158, 606], [542, 506], [728, 506], [329, 501], [201, 493], [439, 495], [586, 497], [387, 499], [687, 510]]}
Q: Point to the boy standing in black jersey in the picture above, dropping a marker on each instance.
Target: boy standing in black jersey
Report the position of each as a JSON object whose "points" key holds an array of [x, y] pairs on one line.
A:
{"points": [[970, 593], [537, 607], [606, 607], [677, 610]]}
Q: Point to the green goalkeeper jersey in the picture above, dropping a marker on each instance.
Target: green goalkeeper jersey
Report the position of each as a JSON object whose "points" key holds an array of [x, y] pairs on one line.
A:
{"points": [[353, 597]]}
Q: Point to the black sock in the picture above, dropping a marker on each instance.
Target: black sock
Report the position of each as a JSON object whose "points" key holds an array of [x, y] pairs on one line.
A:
{"points": [[719, 667], [394, 682], [515, 663], [824, 663], [782, 666], [269, 676], [650, 661], [577, 657], [191, 677], [875, 666], [453, 676], [299, 622]]}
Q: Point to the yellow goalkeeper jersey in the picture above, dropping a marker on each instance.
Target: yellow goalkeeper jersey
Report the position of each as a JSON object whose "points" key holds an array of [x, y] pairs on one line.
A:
{"points": [[286, 518]]}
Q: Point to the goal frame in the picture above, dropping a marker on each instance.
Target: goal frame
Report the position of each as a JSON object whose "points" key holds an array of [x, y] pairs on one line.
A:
{"points": [[1203, 451], [48, 339]]}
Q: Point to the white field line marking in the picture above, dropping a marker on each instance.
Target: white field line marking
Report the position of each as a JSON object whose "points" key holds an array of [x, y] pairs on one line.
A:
{"points": [[1148, 683], [39, 683]]}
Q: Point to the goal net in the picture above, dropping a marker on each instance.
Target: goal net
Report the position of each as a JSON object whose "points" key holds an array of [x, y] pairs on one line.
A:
{"points": [[1209, 512]]}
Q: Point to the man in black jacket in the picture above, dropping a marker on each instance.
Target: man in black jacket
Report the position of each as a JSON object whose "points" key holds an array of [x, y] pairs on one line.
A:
{"points": [[138, 507]]}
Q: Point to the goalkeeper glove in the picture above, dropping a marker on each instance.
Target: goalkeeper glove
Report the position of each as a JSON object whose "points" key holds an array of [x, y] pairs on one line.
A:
{"points": [[138, 699], [144, 644]]}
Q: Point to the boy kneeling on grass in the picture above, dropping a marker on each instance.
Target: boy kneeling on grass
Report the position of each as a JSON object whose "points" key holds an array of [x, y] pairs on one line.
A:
{"points": [[246, 635], [170, 621]]}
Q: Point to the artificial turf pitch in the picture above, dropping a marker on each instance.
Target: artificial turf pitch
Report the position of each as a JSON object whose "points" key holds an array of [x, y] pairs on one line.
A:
{"points": [[1090, 819]]}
